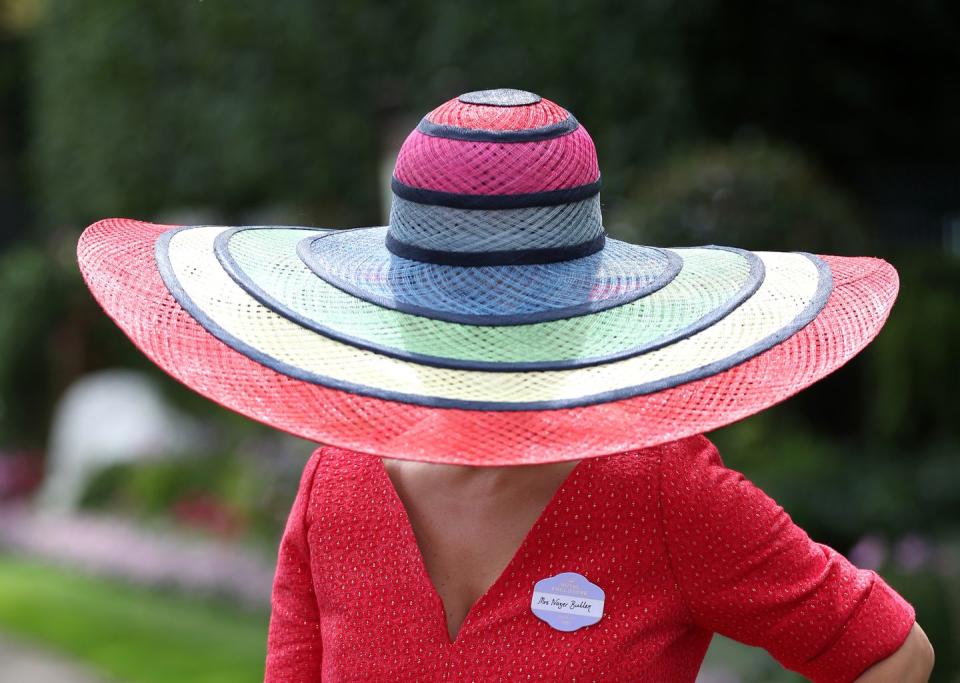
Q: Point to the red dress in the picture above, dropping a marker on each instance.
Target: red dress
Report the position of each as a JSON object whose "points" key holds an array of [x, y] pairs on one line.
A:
{"points": [[682, 546]]}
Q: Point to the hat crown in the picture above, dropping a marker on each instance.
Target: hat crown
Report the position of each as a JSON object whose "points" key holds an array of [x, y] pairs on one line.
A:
{"points": [[495, 177]]}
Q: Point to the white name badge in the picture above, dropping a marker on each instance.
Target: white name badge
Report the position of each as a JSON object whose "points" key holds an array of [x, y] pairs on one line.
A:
{"points": [[567, 601]]}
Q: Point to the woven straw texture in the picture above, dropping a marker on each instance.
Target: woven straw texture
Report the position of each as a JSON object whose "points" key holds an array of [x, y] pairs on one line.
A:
{"points": [[497, 168], [456, 113], [358, 262], [466, 230], [711, 282], [500, 97], [117, 261], [789, 289]]}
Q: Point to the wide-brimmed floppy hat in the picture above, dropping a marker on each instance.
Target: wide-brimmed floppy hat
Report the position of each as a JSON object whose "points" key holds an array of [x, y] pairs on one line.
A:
{"points": [[492, 321]]}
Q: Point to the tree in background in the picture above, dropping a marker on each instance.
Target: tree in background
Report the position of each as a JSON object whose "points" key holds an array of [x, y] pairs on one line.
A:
{"points": [[146, 107], [750, 193]]}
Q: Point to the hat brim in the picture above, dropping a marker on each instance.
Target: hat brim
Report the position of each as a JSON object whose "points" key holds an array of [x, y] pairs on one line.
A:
{"points": [[793, 290], [264, 262], [358, 262], [117, 261]]}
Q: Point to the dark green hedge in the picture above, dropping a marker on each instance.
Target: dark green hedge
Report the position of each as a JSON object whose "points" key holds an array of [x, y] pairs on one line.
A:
{"points": [[146, 107]]}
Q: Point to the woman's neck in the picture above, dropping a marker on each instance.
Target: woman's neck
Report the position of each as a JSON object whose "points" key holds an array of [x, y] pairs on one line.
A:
{"points": [[489, 482]]}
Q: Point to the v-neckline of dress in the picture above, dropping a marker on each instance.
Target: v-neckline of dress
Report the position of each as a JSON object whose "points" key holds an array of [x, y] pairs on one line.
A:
{"points": [[424, 575]]}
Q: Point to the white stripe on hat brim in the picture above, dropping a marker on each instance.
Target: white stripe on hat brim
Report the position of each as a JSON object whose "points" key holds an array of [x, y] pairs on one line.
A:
{"points": [[794, 290], [711, 282]]}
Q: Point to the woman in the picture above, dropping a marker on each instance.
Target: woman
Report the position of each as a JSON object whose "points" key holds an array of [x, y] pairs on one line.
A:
{"points": [[515, 486]]}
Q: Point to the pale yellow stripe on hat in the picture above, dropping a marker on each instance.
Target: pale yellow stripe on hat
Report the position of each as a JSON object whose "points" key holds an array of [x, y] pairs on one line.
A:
{"points": [[790, 284]]}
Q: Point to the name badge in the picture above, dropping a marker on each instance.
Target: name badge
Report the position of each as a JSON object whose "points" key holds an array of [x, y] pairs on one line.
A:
{"points": [[567, 601]]}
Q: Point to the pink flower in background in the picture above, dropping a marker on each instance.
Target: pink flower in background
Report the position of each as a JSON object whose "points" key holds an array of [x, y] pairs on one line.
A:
{"points": [[210, 514], [20, 473], [912, 553], [112, 546], [870, 552]]}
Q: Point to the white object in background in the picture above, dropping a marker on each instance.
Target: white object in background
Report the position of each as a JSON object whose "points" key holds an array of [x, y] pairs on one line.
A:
{"points": [[105, 418]]}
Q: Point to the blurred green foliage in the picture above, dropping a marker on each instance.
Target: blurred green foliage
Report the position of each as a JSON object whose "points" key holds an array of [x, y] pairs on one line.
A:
{"points": [[912, 399], [860, 87], [131, 634], [34, 309], [143, 107], [750, 193], [42, 302], [226, 494], [14, 209]]}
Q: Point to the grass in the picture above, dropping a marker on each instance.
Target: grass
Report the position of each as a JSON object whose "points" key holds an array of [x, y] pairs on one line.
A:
{"points": [[131, 634]]}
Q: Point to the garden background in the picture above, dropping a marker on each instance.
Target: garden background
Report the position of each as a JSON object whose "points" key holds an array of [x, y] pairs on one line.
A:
{"points": [[816, 126]]}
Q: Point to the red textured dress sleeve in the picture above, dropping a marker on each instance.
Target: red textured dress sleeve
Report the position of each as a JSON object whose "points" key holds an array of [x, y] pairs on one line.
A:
{"points": [[294, 643], [745, 570]]}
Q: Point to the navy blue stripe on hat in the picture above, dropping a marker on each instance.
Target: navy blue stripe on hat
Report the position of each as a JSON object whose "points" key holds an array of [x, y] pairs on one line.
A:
{"points": [[499, 201]]}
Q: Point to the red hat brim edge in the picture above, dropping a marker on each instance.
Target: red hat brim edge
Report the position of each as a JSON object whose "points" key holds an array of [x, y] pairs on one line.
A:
{"points": [[116, 258]]}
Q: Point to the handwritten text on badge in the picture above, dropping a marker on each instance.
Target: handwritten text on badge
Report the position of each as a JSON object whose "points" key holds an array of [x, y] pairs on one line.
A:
{"points": [[567, 601]]}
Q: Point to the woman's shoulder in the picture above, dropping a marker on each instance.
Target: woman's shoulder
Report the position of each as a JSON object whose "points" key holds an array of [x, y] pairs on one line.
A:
{"points": [[335, 464], [680, 458], [333, 472]]}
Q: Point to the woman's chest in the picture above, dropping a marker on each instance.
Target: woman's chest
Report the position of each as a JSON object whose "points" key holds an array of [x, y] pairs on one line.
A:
{"points": [[467, 535], [382, 615]]}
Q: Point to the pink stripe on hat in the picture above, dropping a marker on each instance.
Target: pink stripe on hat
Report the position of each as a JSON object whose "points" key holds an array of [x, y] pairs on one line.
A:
{"points": [[497, 168]]}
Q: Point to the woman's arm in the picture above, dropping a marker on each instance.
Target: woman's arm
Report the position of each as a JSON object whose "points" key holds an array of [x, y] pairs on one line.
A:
{"points": [[744, 569], [294, 648], [912, 663]]}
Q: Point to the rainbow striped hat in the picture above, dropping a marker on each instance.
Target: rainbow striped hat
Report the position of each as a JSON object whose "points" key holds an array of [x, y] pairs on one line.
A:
{"points": [[492, 321]]}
